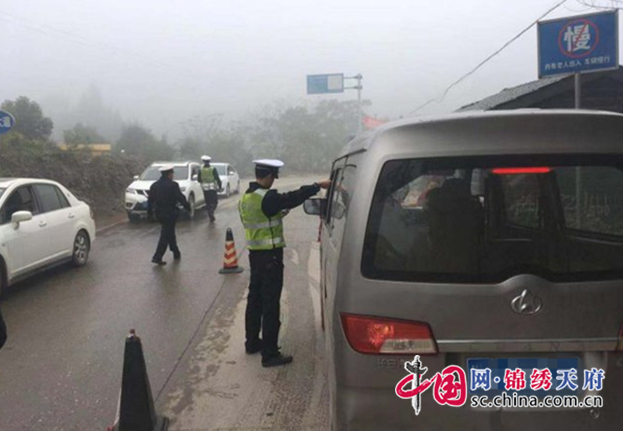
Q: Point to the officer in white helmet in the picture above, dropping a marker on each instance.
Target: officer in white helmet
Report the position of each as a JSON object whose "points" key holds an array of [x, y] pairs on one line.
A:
{"points": [[164, 195], [261, 211], [210, 183]]}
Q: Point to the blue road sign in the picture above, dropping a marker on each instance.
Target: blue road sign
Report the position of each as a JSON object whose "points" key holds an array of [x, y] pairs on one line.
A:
{"points": [[579, 44], [6, 122], [323, 84]]}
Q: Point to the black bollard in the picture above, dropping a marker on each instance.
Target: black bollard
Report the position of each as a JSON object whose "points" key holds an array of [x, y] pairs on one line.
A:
{"points": [[136, 405]]}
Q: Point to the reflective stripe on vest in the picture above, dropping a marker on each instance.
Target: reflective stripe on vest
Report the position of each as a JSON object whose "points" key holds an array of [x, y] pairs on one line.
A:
{"points": [[264, 243], [261, 232], [272, 223]]}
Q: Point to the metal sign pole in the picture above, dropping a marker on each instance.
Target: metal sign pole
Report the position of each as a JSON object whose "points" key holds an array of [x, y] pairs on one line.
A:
{"points": [[334, 83], [357, 87]]}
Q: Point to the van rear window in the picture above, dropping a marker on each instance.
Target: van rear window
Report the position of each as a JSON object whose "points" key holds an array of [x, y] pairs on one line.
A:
{"points": [[487, 219]]}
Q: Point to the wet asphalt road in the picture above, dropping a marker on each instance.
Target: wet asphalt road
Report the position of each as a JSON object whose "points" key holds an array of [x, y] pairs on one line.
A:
{"points": [[61, 368]]}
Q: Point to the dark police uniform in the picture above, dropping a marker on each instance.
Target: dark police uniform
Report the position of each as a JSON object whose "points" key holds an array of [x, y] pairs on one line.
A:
{"points": [[164, 195], [264, 234]]}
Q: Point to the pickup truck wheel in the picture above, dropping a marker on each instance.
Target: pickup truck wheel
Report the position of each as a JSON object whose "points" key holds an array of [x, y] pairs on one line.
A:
{"points": [[82, 248]]}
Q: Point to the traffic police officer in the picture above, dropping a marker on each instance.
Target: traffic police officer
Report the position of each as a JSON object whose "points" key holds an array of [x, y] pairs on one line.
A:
{"points": [[164, 195], [211, 183], [262, 211]]}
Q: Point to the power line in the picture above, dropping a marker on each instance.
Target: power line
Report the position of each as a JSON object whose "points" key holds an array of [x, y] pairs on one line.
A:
{"points": [[582, 7], [486, 60], [614, 4]]}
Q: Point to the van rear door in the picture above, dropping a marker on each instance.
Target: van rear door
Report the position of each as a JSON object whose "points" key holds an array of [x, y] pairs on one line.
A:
{"points": [[509, 260]]}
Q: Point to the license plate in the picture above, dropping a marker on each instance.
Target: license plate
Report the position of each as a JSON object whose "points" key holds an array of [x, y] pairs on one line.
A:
{"points": [[501, 380]]}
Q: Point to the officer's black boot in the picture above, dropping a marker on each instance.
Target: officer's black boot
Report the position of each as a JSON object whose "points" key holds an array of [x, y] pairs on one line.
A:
{"points": [[276, 361]]}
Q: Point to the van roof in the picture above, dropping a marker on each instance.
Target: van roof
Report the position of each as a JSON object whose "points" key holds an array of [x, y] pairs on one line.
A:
{"points": [[521, 131]]}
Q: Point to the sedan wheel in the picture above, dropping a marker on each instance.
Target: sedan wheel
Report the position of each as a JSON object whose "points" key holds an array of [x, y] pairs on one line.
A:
{"points": [[82, 247], [191, 202]]}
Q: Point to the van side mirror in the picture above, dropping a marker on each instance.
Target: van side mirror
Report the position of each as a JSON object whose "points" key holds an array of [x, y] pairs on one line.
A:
{"points": [[315, 206], [20, 217]]}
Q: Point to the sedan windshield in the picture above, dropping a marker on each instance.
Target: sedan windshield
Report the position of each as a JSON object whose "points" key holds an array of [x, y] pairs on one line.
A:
{"points": [[152, 173]]}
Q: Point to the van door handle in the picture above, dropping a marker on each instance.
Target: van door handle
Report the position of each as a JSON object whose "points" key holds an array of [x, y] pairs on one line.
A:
{"points": [[71, 215], [42, 224]]}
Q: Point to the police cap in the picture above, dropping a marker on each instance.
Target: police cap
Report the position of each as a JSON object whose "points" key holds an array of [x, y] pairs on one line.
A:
{"points": [[165, 169], [268, 166]]}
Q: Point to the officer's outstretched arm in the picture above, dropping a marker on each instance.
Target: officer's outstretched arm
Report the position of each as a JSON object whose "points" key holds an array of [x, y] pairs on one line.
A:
{"points": [[275, 202]]}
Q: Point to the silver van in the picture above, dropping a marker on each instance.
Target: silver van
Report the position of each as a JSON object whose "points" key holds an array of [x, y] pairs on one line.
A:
{"points": [[484, 241]]}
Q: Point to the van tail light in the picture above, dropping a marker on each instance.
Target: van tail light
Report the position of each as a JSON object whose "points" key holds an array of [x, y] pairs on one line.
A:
{"points": [[378, 335], [519, 171]]}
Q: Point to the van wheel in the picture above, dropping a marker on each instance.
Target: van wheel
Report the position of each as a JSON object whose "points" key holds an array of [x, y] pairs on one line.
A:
{"points": [[82, 248]]}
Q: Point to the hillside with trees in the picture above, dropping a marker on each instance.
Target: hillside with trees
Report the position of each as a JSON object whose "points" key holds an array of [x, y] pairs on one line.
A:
{"points": [[307, 138]]}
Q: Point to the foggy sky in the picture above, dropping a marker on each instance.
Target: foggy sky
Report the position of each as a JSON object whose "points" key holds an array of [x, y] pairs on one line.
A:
{"points": [[160, 62]]}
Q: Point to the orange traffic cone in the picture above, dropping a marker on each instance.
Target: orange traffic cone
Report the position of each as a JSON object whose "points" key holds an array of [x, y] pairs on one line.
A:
{"points": [[230, 261]]}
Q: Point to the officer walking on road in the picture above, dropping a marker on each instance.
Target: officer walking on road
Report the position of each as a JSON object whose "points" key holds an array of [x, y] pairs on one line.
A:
{"points": [[262, 211], [211, 183], [164, 195]]}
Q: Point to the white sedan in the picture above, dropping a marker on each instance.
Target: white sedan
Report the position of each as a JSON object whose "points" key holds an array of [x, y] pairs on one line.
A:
{"points": [[229, 178], [41, 225]]}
